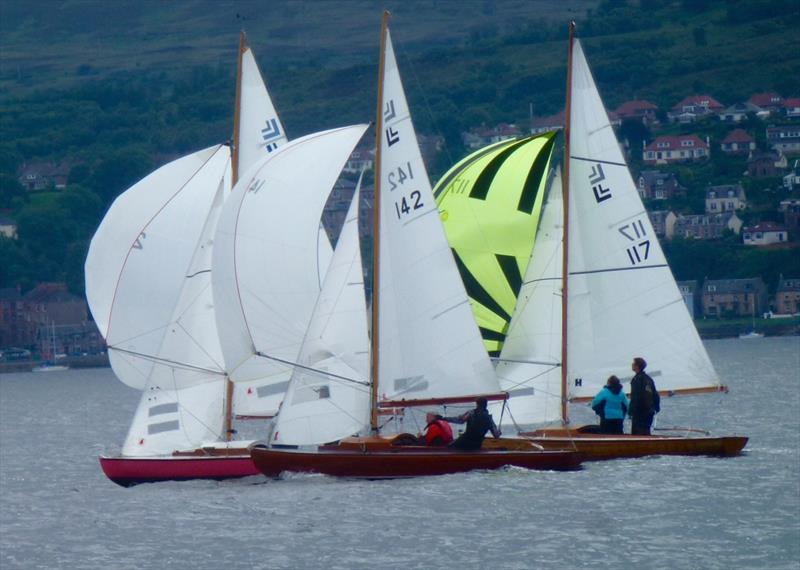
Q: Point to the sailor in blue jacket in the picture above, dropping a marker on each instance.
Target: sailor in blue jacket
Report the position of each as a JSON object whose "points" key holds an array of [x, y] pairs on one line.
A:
{"points": [[611, 405]]}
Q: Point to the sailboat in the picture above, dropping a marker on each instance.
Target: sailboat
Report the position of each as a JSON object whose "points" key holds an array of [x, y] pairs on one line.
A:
{"points": [[50, 365], [617, 296], [149, 289], [425, 346], [752, 333]]}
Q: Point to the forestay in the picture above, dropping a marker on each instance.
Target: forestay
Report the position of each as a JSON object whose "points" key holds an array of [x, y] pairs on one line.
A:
{"points": [[328, 396], [142, 256], [623, 299], [490, 204], [429, 344], [529, 366], [267, 273]]}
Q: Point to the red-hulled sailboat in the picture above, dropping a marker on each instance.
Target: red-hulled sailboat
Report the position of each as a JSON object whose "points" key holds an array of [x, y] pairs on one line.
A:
{"points": [[425, 346], [149, 285]]}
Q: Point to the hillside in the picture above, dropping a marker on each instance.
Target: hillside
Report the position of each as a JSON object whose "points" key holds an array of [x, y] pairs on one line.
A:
{"points": [[114, 89]]}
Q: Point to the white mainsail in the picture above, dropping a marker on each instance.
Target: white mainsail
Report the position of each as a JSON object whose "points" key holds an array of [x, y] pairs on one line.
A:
{"points": [[328, 398], [266, 275], [529, 367], [429, 343], [623, 299]]}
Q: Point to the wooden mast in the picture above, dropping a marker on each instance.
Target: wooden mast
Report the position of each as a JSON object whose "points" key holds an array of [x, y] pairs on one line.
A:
{"points": [[565, 243], [237, 113], [376, 233]]}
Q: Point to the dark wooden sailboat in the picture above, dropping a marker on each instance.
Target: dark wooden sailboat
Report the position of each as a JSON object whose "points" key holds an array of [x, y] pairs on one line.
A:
{"points": [[424, 337]]}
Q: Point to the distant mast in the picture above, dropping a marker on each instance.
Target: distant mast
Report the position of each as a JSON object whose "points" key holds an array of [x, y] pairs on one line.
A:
{"points": [[565, 247], [376, 233]]}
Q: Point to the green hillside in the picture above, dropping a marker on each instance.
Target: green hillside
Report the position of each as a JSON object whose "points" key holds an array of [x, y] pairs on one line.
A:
{"points": [[118, 88]]}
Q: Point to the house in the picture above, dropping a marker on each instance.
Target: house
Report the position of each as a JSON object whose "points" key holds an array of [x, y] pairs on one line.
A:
{"points": [[545, 124], [658, 185], [738, 142], [770, 101], [43, 175], [725, 198], [691, 298], [694, 108], [784, 138], [708, 226], [738, 112], [73, 339], [766, 163], [765, 233], [51, 303], [482, 136], [734, 297], [8, 227], [792, 107], [429, 147], [792, 180], [787, 296], [11, 319], [791, 216], [360, 159], [644, 111], [663, 222], [679, 148]]}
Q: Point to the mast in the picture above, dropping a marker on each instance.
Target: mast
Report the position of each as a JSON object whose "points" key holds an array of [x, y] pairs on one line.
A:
{"points": [[237, 112], [565, 250], [376, 233]]}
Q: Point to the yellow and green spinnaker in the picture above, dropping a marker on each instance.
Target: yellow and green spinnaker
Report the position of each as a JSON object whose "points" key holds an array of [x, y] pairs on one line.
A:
{"points": [[490, 204]]}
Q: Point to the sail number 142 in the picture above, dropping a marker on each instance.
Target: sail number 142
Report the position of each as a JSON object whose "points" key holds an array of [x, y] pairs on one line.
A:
{"points": [[404, 203]]}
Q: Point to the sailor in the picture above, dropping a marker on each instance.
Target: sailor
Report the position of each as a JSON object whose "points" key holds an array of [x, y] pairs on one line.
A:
{"points": [[611, 405], [478, 421], [645, 401], [438, 432]]}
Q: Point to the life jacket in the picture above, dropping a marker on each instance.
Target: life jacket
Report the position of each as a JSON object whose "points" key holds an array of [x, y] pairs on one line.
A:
{"points": [[439, 432]]}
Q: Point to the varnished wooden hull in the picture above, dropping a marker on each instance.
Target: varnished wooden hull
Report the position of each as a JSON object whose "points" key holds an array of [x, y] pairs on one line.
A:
{"points": [[384, 462], [595, 447], [129, 471]]}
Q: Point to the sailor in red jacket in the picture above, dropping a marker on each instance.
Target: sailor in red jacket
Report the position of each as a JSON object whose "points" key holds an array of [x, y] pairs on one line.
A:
{"points": [[438, 432]]}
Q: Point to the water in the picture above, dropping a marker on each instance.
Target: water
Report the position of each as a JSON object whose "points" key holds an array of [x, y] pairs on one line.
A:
{"points": [[57, 510]]}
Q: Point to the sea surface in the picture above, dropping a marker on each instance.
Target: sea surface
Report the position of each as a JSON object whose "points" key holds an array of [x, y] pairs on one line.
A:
{"points": [[57, 509]]}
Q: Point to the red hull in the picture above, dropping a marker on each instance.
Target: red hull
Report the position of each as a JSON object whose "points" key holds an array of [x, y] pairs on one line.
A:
{"points": [[595, 447], [128, 471], [404, 461]]}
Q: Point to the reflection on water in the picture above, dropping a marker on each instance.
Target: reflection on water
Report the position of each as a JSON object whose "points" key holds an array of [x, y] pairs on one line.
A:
{"points": [[57, 510]]}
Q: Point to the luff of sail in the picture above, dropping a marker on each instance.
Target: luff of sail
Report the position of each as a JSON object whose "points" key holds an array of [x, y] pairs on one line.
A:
{"points": [[529, 367], [428, 342], [266, 265], [328, 396], [623, 300], [490, 203]]}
